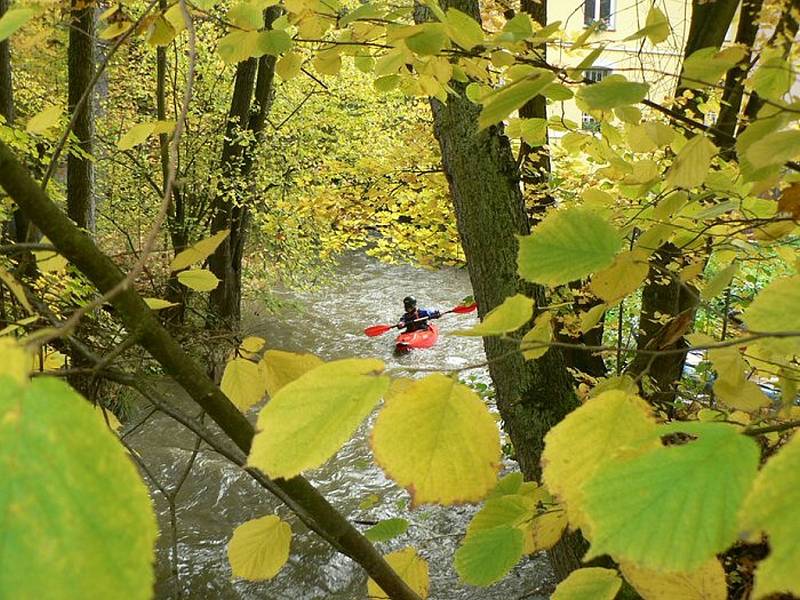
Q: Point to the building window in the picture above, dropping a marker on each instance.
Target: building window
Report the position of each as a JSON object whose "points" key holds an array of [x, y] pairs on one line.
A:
{"points": [[598, 11], [595, 74]]}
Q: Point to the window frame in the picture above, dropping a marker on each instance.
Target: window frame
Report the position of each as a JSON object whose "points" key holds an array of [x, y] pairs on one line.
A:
{"points": [[606, 24]]}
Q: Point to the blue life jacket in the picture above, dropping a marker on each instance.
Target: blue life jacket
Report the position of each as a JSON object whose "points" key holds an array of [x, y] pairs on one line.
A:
{"points": [[420, 313]]}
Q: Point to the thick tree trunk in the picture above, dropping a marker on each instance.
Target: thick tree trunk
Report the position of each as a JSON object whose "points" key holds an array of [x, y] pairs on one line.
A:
{"points": [[80, 169]]}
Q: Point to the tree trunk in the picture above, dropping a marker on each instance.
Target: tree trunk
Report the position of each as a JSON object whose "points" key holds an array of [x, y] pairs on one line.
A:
{"points": [[80, 169]]}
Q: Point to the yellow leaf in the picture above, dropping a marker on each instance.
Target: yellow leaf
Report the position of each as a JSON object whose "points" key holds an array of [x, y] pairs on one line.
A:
{"points": [[198, 252], [107, 418], [410, 567], [243, 383], [15, 360], [691, 271], [282, 367], [437, 439], [512, 314], [158, 303], [199, 280], [161, 32], [706, 583], [115, 30], [623, 277], [741, 394], [44, 120], [720, 281], [309, 419], [328, 62], [587, 438], [540, 333], [288, 66], [591, 317], [49, 261], [259, 548], [591, 583], [16, 289], [250, 347], [692, 164], [176, 17], [775, 309], [548, 527]]}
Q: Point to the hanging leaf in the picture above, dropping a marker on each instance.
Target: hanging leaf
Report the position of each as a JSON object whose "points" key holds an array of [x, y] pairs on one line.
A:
{"points": [[282, 367], [774, 148], [58, 459], [774, 310], [500, 104], [567, 245], [512, 314], [386, 530], [589, 437], [12, 20], [591, 583], [274, 42], [160, 33], [246, 15], [200, 280], [488, 555], [656, 27], [623, 277], [706, 66], [251, 347], [540, 333], [672, 508], [437, 439], [410, 567], [135, 136], [612, 92], [198, 252], [41, 122], [690, 168], [705, 583], [238, 46], [288, 65], [511, 510], [719, 282], [771, 507], [463, 29], [774, 77], [115, 30], [159, 303], [259, 548], [309, 419], [243, 383]]}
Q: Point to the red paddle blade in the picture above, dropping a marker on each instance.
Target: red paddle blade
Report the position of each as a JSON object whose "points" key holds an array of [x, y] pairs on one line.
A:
{"points": [[465, 308], [377, 330]]}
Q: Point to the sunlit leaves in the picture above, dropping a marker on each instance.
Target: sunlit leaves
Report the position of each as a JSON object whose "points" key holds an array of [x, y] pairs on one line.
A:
{"points": [[139, 133], [161, 32], [309, 419], [115, 29], [488, 554], [159, 303], [15, 361], [243, 383], [386, 530], [273, 42], [512, 314], [705, 583], [58, 459], [463, 29], [771, 507], [436, 438], [500, 104], [775, 310], [673, 507], [656, 27], [282, 367], [590, 583], [259, 548], [238, 46], [775, 148], [289, 65], [12, 20], [623, 277], [706, 66], [719, 282], [44, 120], [648, 136], [246, 15], [198, 252], [690, 168], [612, 92], [200, 280], [588, 437], [410, 567], [569, 244]]}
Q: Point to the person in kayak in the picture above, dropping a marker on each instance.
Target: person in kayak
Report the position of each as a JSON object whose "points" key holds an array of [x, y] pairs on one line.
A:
{"points": [[413, 314]]}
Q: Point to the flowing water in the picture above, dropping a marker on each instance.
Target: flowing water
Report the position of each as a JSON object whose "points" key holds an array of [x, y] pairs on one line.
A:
{"points": [[216, 496]]}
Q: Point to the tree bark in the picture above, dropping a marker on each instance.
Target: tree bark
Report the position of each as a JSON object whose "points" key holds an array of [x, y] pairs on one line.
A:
{"points": [[81, 66], [79, 249]]}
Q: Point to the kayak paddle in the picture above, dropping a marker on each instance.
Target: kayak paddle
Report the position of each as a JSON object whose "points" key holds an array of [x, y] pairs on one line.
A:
{"points": [[461, 309]]}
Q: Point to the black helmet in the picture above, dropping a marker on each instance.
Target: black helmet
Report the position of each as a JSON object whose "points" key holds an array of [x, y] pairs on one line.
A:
{"points": [[409, 302]]}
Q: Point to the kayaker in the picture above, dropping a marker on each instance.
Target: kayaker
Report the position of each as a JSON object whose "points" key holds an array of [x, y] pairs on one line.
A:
{"points": [[413, 314]]}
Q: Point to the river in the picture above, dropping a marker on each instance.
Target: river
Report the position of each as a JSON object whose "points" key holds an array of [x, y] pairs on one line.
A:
{"points": [[216, 496]]}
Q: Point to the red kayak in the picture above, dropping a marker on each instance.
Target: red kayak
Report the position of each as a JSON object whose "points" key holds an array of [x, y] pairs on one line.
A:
{"points": [[424, 338]]}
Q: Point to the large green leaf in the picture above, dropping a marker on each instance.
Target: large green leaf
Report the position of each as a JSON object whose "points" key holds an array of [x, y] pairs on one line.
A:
{"points": [[386, 530], [489, 554], [512, 314], [775, 309], [77, 517], [674, 507], [13, 20], [773, 506], [591, 583], [774, 149], [500, 104], [691, 167], [568, 245], [309, 419], [611, 92], [706, 66], [463, 29]]}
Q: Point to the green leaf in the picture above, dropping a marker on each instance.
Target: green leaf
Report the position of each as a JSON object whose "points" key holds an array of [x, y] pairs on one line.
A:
{"points": [[623, 277], [706, 66], [430, 40], [12, 20], [159, 303], [775, 310], [519, 27], [774, 149], [198, 252], [463, 29], [674, 507], [656, 27], [540, 333], [274, 42], [488, 555], [648, 136], [44, 120], [161, 32], [386, 530], [567, 245], [309, 419], [591, 583], [238, 46], [410, 567], [500, 104], [243, 383], [510, 510], [200, 280], [289, 65], [282, 367], [720, 281], [259, 548], [246, 15], [690, 168], [771, 507], [512, 314], [774, 78], [78, 518], [611, 92], [436, 438]]}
